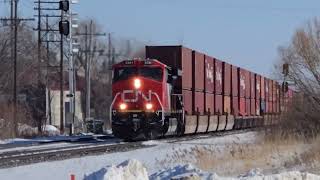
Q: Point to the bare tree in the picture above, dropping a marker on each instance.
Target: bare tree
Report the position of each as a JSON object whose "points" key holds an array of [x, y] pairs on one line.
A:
{"points": [[303, 57], [31, 109]]}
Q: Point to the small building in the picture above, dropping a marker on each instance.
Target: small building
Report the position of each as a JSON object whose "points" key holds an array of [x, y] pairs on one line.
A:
{"points": [[53, 102]]}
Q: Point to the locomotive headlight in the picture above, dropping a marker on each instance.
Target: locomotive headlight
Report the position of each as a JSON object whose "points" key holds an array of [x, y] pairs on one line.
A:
{"points": [[137, 83], [123, 106], [149, 106]]}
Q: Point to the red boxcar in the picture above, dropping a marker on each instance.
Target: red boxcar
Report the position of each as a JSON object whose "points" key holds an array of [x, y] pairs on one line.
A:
{"points": [[278, 98], [266, 106], [227, 104], [242, 82], [198, 69], [258, 86], [209, 74], [263, 107], [187, 99], [266, 85], [247, 82], [176, 57], [218, 104], [258, 107], [248, 107], [270, 105], [253, 107], [235, 105], [253, 85], [198, 102], [226, 79], [235, 80], [270, 86], [262, 90], [218, 76], [209, 103], [242, 106], [274, 91]]}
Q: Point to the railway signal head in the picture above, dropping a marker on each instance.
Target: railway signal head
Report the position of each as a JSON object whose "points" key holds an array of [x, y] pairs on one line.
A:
{"points": [[64, 5], [285, 87], [285, 69], [64, 27]]}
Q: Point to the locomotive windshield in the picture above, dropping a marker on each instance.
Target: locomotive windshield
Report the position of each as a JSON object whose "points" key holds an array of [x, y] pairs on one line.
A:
{"points": [[123, 73]]}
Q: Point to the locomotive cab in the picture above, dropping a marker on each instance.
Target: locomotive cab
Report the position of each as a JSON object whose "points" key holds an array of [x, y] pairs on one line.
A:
{"points": [[141, 91]]}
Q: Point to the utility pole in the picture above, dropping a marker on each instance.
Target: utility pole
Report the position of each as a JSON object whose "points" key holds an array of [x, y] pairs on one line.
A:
{"points": [[12, 60], [88, 58], [109, 48], [87, 77], [47, 73], [72, 73], [14, 21], [61, 82], [39, 46], [15, 66]]}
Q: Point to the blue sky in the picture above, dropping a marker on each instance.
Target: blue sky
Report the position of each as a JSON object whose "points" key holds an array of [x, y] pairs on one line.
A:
{"points": [[245, 33]]}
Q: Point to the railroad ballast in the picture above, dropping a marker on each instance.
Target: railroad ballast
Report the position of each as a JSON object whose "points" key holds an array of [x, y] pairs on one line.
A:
{"points": [[177, 91]]}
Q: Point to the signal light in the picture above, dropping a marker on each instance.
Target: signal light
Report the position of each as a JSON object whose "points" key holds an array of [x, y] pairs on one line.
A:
{"points": [[285, 87], [137, 83], [123, 106], [285, 69], [64, 5], [64, 27], [149, 106]]}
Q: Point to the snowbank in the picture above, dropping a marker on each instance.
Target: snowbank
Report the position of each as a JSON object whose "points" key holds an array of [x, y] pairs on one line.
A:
{"points": [[26, 130], [133, 169], [50, 130], [151, 143], [128, 170], [181, 172]]}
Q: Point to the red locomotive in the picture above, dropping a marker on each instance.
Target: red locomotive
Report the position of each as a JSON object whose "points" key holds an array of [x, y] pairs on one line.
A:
{"points": [[141, 91], [178, 91]]}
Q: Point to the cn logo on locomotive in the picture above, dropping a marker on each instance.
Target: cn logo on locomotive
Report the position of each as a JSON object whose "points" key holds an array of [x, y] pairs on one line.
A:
{"points": [[133, 95]]}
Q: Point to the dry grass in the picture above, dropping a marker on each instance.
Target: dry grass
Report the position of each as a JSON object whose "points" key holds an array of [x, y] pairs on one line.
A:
{"points": [[23, 116], [234, 159]]}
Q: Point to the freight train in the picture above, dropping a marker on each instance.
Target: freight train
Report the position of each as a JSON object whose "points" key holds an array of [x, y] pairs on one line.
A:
{"points": [[178, 91]]}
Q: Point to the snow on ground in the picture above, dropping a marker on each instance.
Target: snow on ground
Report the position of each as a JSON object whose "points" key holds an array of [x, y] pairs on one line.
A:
{"points": [[226, 156], [50, 130], [133, 169], [128, 170], [48, 139], [41, 147]]}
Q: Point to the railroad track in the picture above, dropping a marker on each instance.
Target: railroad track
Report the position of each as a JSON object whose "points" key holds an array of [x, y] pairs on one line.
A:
{"points": [[11, 159], [25, 157]]}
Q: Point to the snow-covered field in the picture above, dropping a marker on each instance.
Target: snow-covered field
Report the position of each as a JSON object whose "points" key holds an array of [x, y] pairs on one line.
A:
{"points": [[133, 169], [227, 156]]}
